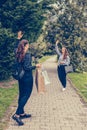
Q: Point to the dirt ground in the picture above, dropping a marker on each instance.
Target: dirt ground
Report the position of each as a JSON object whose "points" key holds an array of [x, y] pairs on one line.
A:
{"points": [[8, 83]]}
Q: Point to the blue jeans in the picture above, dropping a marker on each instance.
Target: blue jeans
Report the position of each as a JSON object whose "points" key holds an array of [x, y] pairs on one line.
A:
{"points": [[62, 75], [25, 89]]}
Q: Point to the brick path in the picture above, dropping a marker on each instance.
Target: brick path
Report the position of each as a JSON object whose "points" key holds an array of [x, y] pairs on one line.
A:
{"points": [[54, 110]]}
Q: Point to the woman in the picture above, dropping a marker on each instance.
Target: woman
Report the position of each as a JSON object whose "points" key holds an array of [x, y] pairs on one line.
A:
{"points": [[62, 62], [26, 83]]}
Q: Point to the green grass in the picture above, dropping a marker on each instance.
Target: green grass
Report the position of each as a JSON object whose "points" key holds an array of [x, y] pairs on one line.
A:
{"points": [[44, 58], [7, 96], [79, 80]]}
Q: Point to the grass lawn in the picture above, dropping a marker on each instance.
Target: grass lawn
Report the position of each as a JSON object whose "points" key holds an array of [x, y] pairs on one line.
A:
{"points": [[79, 80], [7, 96], [44, 58]]}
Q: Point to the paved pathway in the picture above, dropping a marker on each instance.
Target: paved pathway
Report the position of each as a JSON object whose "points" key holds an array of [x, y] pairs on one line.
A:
{"points": [[54, 110]]}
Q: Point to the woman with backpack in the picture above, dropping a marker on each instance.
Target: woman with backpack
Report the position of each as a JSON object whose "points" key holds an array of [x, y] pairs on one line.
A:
{"points": [[23, 56]]}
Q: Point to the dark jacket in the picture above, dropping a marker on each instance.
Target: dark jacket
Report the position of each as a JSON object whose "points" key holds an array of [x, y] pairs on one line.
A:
{"points": [[27, 65]]}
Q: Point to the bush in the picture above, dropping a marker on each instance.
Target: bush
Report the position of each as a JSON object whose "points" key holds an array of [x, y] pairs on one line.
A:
{"points": [[6, 53]]}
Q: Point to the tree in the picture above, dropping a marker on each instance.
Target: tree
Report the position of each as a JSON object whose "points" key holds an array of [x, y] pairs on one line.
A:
{"points": [[23, 14], [26, 15], [66, 22], [6, 52]]}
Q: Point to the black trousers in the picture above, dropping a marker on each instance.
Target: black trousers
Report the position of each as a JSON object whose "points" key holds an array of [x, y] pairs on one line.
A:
{"points": [[25, 89], [62, 75]]}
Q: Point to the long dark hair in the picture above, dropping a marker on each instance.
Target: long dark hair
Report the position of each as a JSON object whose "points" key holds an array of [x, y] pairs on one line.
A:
{"points": [[20, 50]]}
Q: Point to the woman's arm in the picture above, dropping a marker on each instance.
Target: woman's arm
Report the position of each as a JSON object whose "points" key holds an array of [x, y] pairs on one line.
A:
{"points": [[27, 63], [56, 48]]}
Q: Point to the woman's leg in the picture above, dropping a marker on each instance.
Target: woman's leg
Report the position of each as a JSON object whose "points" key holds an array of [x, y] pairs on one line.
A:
{"points": [[25, 88], [62, 75], [16, 116], [59, 73]]}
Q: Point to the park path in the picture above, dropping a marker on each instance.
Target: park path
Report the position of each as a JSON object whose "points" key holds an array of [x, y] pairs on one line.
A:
{"points": [[54, 110]]}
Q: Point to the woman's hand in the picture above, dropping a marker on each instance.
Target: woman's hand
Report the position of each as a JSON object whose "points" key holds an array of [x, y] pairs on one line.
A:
{"points": [[38, 65], [57, 42], [62, 62]]}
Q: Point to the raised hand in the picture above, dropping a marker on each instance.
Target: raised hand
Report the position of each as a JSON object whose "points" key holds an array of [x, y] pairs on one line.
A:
{"points": [[57, 42]]}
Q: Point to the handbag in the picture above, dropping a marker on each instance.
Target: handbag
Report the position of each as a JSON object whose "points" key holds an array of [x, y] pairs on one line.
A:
{"points": [[68, 69], [18, 75], [18, 71], [46, 78]]}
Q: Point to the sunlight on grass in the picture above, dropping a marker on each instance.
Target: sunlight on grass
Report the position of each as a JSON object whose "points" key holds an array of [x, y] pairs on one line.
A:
{"points": [[44, 58], [80, 82], [7, 95]]}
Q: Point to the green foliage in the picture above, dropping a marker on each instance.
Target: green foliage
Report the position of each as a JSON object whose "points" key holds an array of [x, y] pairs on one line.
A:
{"points": [[66, 23], [38, 48], [6, 52], [26, 15]]}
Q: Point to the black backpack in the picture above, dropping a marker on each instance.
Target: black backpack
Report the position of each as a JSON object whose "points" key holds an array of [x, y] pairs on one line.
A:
{"points": [[18, 71]]}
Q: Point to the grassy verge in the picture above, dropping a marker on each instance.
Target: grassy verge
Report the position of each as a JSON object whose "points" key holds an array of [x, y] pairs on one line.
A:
{"points": [[7, 96], [79, 80], [44, 58]]}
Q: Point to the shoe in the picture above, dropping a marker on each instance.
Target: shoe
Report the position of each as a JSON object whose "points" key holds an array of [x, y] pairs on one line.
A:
{"points": [[63, 89], [25, 116], [18, 120]]}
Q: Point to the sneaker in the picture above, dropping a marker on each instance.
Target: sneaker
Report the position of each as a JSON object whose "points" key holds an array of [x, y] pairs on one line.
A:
{"points": [[18, 120], [25, 116], [63, 89]]}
